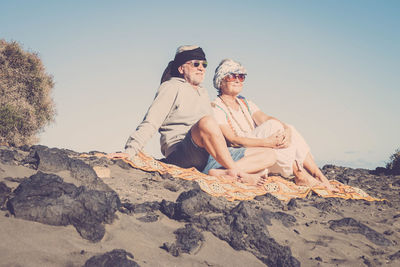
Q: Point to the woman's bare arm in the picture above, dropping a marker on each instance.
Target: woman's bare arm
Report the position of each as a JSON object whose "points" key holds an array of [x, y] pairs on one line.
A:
{"points": [[260, 117], [273, 141]]}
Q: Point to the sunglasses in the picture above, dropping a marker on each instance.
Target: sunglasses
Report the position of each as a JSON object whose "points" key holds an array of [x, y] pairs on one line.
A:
{"points": [[233, 76], [196, 63]]}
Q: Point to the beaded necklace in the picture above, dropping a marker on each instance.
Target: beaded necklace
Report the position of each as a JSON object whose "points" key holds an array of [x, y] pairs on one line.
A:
{"points": [[237, 123]]}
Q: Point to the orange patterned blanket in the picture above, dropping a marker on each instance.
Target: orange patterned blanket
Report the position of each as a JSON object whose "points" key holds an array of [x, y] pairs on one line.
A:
{"points": [[217, 186]]}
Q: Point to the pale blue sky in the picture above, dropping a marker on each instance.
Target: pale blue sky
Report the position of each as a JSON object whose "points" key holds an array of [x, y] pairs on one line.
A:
{"points": [[330, 68]]}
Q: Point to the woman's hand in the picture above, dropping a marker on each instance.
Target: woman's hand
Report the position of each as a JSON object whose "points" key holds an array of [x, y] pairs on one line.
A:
{"points": [[278, 139]]}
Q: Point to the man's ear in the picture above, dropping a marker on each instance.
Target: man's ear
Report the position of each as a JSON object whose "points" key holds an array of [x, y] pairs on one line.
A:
{"points": [[180, 69]]}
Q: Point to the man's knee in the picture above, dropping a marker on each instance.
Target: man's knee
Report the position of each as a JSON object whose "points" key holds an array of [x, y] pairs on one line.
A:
{"points": [[207, 124], [205, 127]]}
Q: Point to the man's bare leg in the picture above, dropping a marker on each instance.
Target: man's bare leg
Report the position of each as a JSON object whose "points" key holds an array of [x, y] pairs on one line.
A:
{"points": [[207, 134], [252, 179]]}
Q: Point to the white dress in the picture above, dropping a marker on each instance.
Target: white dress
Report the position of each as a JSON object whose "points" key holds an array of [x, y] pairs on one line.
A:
{"points": [[242, 124]]}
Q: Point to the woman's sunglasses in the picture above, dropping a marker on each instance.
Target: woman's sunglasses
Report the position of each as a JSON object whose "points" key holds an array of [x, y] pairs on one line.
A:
{"points": [[233, 76], [196, 63]]}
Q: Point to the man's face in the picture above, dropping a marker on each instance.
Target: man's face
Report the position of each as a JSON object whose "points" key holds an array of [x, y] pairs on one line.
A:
{"points": [[193, 71]]}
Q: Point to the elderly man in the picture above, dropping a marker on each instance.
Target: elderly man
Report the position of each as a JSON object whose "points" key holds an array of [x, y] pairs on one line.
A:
{"points": [[182, 113]]}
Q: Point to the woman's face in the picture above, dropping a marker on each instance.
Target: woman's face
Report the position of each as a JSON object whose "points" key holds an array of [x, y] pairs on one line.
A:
{"points": [[232, 84]]}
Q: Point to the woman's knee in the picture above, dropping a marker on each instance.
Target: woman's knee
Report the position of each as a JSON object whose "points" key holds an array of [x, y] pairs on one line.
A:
{"points": [[276, 125], [269, 127]]}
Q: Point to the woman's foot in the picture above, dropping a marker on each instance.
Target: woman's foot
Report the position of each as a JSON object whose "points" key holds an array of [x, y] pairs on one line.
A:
{"points": [[315, 179], [242, 177], [310, 165], [325, 182], [303, 178], [306, 179]]}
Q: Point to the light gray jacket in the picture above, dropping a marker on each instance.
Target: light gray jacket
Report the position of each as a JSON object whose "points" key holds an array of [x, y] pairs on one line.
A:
{"points": [[176, 107]]}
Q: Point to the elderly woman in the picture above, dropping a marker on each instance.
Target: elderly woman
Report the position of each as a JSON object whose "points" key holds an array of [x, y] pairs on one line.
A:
{"points": [[245, 125]]}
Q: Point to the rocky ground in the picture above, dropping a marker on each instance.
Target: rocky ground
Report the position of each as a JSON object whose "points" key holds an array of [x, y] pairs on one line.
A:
{"points": [[58, 208]]}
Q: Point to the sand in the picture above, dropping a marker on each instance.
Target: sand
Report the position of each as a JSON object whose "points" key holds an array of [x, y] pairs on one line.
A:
{"points": [[312, 242]]}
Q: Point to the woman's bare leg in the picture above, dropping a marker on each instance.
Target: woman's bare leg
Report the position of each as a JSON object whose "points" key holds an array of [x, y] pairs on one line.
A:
{"points": [[310, 165], [207, 134], [302, 177], [256, 159]]}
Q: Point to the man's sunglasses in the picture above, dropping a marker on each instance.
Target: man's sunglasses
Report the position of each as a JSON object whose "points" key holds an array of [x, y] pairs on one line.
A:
{"points": [[233, 76], [196, 63]]}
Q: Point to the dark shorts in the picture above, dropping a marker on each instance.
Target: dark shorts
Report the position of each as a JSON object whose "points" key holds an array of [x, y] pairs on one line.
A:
{"points": [[188, 154]]}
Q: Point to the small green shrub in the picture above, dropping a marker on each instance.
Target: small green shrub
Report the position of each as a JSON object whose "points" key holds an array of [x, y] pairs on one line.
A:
{"points": [[394, 164], [26, 106]]}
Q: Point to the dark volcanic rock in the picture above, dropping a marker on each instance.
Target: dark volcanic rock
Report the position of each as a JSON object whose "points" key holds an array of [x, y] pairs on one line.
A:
{"points": [[350, 225], [173, 187], [192, 204], [386, 171], [8, 156], [145, 207], [149, 217], [121, 163], [292, 204], [47, 159], [171, 249], [99, 161], [83, 172], [395, 256], [15, 180], [116, 257], [46, 198], [396, 181], [345, 175], [248, 229], [244, 227], [89, 204], [327, 205], [187, 240], [379, 171], [5, 191], [269, 200], [382, 186], [286, 219]]}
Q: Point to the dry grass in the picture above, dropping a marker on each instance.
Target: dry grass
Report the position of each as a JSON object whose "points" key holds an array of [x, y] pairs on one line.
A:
{"points": [[26, 105]]}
